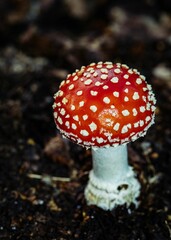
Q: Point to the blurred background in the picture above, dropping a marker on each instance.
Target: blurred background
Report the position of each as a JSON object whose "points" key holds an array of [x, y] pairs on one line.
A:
{"points": [[42, 176]]}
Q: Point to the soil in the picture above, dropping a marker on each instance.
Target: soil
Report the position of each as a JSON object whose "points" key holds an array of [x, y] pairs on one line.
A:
{"points": [[42, 175]]}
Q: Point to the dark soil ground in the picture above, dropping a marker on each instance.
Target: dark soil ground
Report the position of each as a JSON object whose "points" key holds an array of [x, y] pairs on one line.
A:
{"points": [[42, 176]]}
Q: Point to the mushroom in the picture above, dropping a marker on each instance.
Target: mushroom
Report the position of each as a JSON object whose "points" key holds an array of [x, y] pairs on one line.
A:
{"points": [[104, 106]]}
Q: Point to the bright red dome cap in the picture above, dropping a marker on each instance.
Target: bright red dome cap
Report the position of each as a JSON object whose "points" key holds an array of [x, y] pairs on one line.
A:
{"points": [[104, 104]]}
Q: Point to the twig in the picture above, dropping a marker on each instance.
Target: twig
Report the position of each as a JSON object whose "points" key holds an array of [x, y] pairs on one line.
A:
{"points": [[47, 178]]}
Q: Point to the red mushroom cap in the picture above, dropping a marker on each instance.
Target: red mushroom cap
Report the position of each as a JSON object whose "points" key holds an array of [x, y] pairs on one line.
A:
{"points": [[104, 104]]}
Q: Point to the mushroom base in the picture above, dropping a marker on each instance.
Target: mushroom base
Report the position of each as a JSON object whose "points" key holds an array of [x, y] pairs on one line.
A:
{"points": [[109, 196], [112, 182]]}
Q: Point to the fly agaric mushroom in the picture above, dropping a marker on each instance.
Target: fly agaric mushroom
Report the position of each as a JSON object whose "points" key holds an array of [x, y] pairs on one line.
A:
{"points": [[105, 106]]}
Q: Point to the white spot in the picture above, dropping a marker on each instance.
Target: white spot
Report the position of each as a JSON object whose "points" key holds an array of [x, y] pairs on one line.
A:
{"points": [[98, 83], [141, 123], [148, 105], [71, 87], [92, 71], [95, 74], [92, 64], [88, 82], [56, 94], [93, 126], [114, 79], [84, 133], [116, 126], [118, 65], [62, 112], [75, 78], [125, 113], [107, 62], [134, 110], [105, 87], [142, 76], [93, 108], [59, 119], [81, 104], [150, 98], [99, 65], [144, 98], [116, 94], [126, 90], [129, 125], [68, 81], [142, 109], [154, 100], [100, 140], [133, 138], [79, 93], [148, 118], [117, 70], [67, 116], [87, 74], [72, 107], [126, 76], [85, 117], [128, 83], [55, 114], [54, 105], [106, 100], [67, 124], [62, 83], [74, 126], [135, 70], [64, 100], [104, 76], [60, 93], [89, 69], [138, 81], [130, 71], [109, 66], [125, 66], [76, 118], [149, 87], [58, 104], [93, 93], [104, 70], [136, 96], [153, 108], [124, 129], [126, 99], [136, 124]]}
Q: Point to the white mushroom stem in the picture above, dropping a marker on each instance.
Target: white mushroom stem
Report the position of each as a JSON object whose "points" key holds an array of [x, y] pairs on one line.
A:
{"points": [[112, 181]]}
